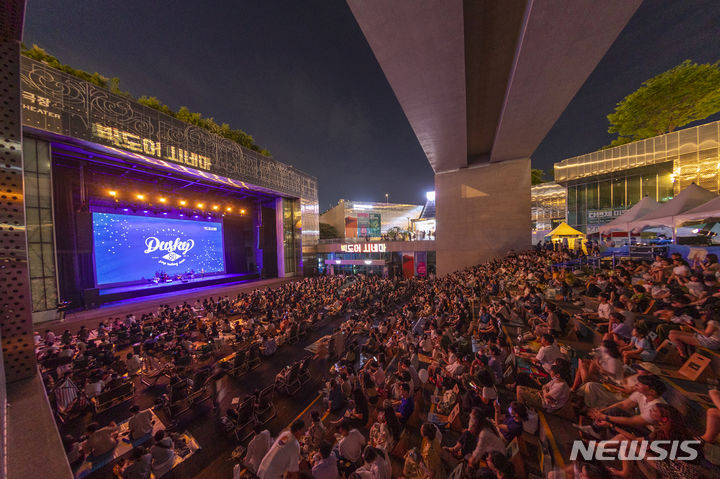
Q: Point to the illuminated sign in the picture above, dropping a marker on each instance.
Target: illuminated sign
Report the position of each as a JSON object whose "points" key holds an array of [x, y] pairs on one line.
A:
{"points": [[132, 142], [38, 104], [363, 248]]}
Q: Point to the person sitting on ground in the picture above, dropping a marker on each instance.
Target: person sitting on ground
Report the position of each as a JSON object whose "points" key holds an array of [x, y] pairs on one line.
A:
{"points": [[669, 425], [385, 432], [648, 392], [488, 441], [269, 346], [350, 446], [134, 364], [708, 336], [512, 425], [499, 464], [101, 440], [316, 433], [140, 423], [375, 464], [607, 362], [94, 386], [640, 346], [325, 463], [553, 396], [466, 443], [548, 353], [139, 466], [430, 450], [406, 405], [163, 453]]}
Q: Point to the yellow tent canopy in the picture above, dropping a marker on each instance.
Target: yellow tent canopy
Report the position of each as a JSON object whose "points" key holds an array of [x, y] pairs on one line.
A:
{"points": [[564, 229]]}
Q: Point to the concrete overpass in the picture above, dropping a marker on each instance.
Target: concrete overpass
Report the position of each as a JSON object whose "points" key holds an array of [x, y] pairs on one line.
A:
{"points": [[481, 83]]}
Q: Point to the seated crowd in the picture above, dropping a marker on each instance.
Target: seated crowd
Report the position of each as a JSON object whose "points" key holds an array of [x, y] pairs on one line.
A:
{"points": [[457, 376]]}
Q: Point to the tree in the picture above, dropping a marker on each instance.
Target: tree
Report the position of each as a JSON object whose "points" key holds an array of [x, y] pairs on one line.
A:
{"points": [[686, 93], [536, 176], [183, 114], [328, 231]]}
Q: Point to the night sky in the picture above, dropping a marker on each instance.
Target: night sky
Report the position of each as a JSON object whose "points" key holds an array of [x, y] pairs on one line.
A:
{"points": [[300, 78]]}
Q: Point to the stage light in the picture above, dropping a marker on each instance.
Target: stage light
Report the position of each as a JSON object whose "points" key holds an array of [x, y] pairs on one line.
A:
{"points": [[182, 214], [228, 209], [242, 212], [125, 209], [215, 207], [112, 193], [183, 202], [145, 211], [141, 197], [200, 205], [164, 212], [162, 200]]}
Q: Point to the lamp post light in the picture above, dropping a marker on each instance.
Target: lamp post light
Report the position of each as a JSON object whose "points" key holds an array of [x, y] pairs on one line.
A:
{"points": [[387, 198]]}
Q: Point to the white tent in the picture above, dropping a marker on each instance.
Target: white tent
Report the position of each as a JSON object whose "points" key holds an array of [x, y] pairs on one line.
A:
{"points": [[622, 223], [711, 209], [689, 198]]}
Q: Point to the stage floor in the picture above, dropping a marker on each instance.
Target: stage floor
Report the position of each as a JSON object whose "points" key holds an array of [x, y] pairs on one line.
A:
{"points": [[130, 292], [195, 282]]}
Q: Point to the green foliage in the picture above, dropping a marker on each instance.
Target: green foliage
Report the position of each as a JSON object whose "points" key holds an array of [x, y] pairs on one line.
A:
{"points": [[183, 114], [328, 231], [686, 93], [536, 176]]}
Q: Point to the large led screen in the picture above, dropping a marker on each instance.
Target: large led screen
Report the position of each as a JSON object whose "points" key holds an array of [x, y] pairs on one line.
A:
{"points": [[135, 248]]}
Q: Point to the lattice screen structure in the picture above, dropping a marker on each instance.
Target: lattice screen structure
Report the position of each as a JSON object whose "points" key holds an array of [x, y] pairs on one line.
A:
{"points": [[15, 306]]}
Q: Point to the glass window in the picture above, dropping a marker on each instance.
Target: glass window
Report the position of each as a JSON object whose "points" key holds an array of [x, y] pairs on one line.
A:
{"points": [[619, 193], [665, 185], [581, 205], [649, 185], [633, 190], [572, 205], [605, 195], [592, 196]]}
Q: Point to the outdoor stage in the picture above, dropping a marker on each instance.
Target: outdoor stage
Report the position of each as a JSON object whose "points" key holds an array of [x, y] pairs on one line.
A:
{"points": [[120, 293]]}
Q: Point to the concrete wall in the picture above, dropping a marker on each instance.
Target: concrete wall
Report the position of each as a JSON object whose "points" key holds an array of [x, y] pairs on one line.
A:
{"points": [[482, 213], [335, 217]]}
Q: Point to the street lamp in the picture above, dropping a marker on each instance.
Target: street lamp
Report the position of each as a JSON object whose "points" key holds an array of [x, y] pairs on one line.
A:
{"points": [[387, 197]]}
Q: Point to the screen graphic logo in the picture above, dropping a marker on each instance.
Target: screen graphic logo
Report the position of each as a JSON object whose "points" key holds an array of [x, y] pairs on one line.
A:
{"points": [[153, 244]]}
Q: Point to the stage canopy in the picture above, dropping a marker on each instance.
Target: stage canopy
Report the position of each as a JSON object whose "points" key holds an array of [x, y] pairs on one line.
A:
{"points": [[562, 230], [622, 223], [711, 209], [689, 198]]}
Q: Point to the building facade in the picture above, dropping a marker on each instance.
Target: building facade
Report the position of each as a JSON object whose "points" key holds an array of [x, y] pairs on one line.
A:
{"points": [[95, 160], [548, 208], [363, 219], [603, 184]]}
